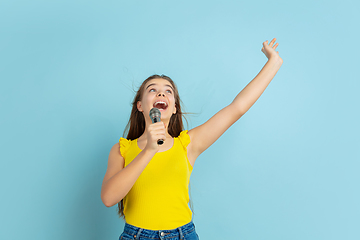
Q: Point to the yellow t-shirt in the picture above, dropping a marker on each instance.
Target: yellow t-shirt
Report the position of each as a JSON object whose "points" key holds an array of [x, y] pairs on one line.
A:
{"points": [[160, 196]]}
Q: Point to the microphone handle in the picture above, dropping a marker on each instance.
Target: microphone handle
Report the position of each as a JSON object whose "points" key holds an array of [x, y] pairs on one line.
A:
{"points": [[160, 141]]}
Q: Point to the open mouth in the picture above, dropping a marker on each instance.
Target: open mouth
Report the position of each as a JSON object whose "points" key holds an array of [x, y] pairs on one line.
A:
{"points": [[162, 106]]}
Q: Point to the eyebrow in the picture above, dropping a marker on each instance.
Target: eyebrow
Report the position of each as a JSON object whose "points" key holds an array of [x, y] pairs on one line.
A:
{"points": [[156, 84]]}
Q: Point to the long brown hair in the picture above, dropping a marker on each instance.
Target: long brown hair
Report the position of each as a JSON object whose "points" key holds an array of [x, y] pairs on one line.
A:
{"points": [[137, 123]]}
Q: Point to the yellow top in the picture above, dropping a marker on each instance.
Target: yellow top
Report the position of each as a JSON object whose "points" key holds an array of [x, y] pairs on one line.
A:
{"points": [[160, 196]]}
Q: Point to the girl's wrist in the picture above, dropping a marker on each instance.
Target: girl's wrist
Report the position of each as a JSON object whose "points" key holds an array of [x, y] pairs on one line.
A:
{"points": [[276, 59], [150, 151]]}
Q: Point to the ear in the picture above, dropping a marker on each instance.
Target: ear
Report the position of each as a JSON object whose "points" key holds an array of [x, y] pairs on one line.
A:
{"points": [[174, 109], [138, 104]]}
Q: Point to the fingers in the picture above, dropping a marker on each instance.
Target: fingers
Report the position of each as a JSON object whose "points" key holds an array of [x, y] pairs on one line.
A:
{"points": [[271, 44], [158, 125], [157, 129]]}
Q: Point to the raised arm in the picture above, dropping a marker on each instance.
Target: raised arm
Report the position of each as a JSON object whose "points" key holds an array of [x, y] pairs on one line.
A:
{"points": [[206, 134]]}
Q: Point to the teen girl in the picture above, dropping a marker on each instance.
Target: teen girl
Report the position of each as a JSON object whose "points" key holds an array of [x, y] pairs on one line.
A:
{"points": [[148, 181]]}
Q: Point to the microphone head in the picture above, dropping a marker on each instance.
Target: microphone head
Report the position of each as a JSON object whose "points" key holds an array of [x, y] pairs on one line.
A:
{"points": [[155, 115]]}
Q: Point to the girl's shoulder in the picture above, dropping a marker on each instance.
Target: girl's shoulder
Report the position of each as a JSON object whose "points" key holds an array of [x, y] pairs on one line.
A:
{"points": [[184, 138], [124, 145]]}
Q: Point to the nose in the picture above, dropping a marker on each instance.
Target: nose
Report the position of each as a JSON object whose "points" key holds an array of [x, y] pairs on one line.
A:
{"points": [[161, 94]]}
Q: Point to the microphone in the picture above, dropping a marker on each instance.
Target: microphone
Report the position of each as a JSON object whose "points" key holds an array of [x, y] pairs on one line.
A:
{"points": [[155, 116]]}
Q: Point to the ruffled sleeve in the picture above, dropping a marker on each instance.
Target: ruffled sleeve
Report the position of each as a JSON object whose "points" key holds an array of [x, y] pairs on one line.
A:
{"points": [[124, 146], [184, 138]]}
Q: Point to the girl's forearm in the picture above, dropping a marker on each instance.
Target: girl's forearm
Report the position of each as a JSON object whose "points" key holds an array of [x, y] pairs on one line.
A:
{"points": [[251, 93], [118, 186]]}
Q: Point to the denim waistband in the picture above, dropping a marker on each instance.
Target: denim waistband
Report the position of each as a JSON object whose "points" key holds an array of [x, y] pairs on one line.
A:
{"points": [[136, 232]]}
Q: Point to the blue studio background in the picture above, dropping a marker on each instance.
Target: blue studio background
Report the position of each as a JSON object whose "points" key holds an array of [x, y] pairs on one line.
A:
{"points": [[288, 169]]}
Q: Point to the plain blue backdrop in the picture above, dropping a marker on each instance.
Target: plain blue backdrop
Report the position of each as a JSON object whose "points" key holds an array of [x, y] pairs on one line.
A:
{"points": [[288, 169]]}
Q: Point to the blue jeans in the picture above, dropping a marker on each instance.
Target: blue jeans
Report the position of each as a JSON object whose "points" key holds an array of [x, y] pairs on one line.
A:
{"points": [[185, 232]]}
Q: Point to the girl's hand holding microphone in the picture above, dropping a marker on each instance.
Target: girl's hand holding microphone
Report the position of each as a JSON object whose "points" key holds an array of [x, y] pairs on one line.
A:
{"points": [[155, 132]]}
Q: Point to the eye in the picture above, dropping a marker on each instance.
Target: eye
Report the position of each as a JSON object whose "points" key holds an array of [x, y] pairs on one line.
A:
{"points": [[169, 91], [151, 89]]}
